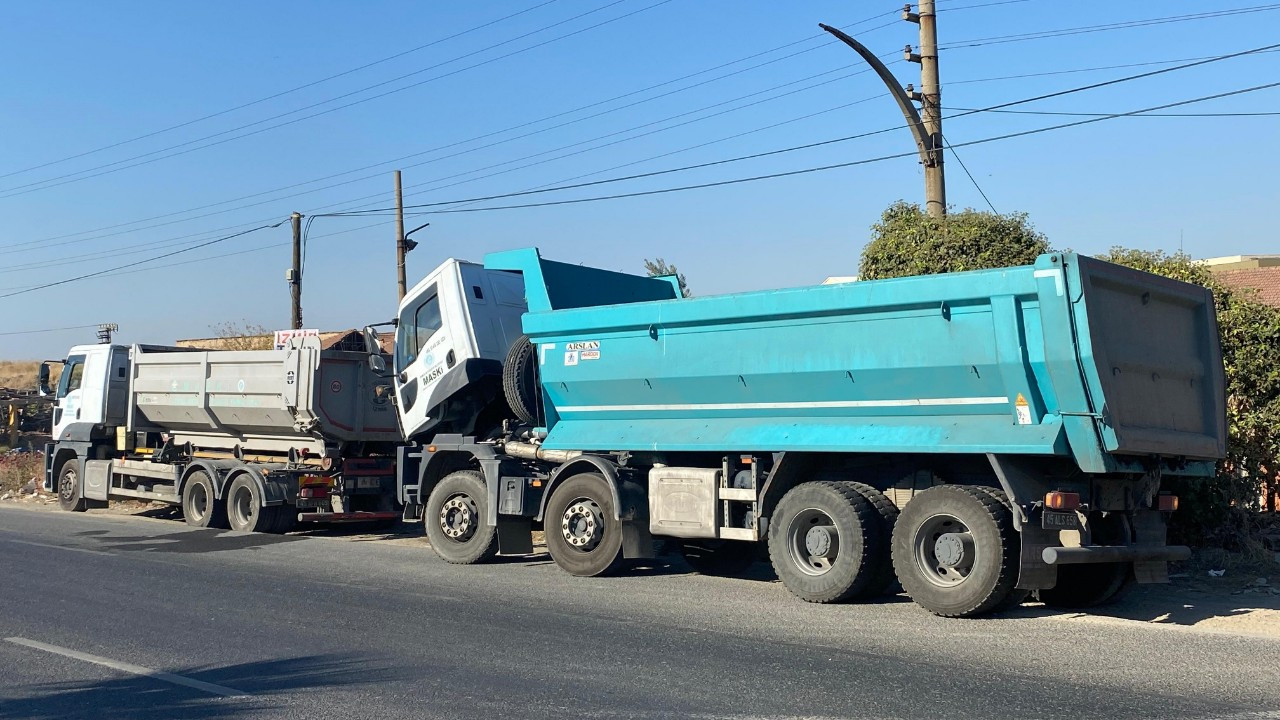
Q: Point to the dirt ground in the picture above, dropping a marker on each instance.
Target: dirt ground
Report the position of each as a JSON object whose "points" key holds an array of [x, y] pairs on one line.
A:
{"points": [[1213, 592]]}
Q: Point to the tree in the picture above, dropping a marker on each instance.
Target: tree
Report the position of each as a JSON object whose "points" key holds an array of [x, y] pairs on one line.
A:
{"points": [[1250, 338], [659, 268], [906, 241], [243, 336]]}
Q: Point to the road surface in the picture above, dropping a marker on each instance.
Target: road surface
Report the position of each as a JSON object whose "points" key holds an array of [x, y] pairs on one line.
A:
{"points": [[109, 616]]}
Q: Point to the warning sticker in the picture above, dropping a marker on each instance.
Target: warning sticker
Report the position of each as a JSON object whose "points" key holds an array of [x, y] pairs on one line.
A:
{"points": [[1023, 410], [571, 357], [590, 355]]}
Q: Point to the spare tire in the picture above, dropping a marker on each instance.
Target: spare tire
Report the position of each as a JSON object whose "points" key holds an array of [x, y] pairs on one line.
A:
{"points": [[520, 380]]}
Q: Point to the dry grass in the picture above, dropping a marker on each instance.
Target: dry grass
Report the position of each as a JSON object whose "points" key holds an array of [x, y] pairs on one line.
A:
{"points": [[21, 374], [18, 469]]}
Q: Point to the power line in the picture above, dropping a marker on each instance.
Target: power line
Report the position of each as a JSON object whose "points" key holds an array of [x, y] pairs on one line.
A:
{"points": [[49, 330], [1102, 114], [818, 36], [1095, 68], [283, 93], [119, 165], [865, 161], [1001, 39], [139, 262], [964, 167]]}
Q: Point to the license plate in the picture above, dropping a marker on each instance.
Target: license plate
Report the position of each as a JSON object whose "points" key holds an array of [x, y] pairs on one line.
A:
{"points": [[1052, 520], [365, 483]]}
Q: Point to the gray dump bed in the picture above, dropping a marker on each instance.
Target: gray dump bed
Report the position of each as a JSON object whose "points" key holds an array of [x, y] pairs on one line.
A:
{"points": [[260, 400]]}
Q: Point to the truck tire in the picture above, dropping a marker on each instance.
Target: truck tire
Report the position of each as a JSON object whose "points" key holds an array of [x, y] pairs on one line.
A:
{"points": [[200, 508], [1015, 597], [520, 380], [69, 496], [583, 536], [955, 550], [719, 558], [245, 511], [825, 542], [886, 581], [1092, 585], [455, 516]]}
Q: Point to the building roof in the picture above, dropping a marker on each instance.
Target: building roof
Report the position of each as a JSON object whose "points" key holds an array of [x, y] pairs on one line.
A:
{"points": [[1265, 280], [1240, 262]]}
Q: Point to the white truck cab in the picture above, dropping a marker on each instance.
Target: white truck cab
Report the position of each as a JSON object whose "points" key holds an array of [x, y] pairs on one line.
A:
{"points": [[93, 392], [454, 329]]}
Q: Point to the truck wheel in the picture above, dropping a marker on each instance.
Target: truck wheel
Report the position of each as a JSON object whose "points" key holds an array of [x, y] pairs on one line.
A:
{"points": [[721, 558], [955, 550], [244, 507], [825, 542], [199, 506], [455, 518], [520, 380], [582, 535], [885, 581], [69, 497]]}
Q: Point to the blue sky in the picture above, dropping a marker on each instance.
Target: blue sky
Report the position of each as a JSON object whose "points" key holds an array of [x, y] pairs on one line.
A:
{"points": [[84, 75]]}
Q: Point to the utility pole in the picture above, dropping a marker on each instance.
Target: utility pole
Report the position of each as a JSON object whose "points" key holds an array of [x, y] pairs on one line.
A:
{"points": [[400, 281], [295, 274], [926, 131], [935, 187]]}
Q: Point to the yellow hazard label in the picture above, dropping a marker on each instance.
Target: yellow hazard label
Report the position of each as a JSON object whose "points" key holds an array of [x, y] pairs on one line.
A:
{"points": [[1022, 409]]}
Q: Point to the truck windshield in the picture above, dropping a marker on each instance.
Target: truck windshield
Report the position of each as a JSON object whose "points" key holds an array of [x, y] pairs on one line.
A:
{"points": [[413, 335], [72, 375]]}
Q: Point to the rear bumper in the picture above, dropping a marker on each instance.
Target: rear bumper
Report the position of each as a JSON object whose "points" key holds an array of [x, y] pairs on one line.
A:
{"points": [[1114, 553], [346, 517]]}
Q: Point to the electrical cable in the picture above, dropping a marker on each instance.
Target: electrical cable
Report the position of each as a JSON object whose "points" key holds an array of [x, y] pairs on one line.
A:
{"points": [[964, 167], [1099, 114], [49, 330], [117, 166], [283, 93]]}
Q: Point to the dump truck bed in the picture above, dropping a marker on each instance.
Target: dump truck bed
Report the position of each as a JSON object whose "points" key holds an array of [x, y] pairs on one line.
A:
{"points": [[260, 400], [1070, 357]]}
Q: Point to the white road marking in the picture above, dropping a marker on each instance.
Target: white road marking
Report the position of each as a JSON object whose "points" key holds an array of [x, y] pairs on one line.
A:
{"points": [[129, 668], [905, 402], [59, 547]]}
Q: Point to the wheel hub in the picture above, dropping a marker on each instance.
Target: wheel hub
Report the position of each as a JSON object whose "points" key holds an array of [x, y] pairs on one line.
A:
{"points": [[583, 524], [67, 488], [820, 541], [458, 517], [954, 550]]}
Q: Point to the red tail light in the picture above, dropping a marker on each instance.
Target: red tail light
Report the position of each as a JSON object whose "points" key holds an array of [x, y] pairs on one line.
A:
{"points": [[1062, 500], [314, 491], [1167, 503]]}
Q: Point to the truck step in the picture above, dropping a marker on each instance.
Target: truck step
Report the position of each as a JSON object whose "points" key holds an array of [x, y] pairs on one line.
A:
{"points": [[733, 533], [738, 494]]}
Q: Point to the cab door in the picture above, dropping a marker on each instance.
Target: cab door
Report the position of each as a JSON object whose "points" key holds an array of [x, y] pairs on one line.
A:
{"points": [[422, 350], [70, 397]]}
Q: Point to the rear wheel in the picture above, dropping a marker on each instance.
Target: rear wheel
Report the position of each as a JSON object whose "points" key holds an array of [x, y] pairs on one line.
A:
{"points": [[885, 581], [955, 550], [199, 506], [583, 535], [245, 511], [455, 518], [825, 542], [69, 496], [723, 558]]}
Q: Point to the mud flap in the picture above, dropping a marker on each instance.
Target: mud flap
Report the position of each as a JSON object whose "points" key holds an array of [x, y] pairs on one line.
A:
{"points": [[1149, 529], [1033, 572], [515, 535]]}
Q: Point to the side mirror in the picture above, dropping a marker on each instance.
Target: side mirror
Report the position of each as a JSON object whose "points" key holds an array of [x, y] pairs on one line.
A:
{"points": [[42, 380], [378, 365], [372, 343]]}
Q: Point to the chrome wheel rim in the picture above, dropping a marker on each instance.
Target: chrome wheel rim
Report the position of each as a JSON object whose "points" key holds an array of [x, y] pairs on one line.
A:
{"points": [[459, 517], [582, 524]]}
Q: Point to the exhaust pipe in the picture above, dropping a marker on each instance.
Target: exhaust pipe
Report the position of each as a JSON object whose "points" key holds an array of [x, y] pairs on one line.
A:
{"points": [[529, 451]]}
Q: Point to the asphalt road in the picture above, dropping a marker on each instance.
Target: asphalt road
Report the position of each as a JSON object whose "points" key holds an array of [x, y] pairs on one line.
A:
{"points": [[107, 616]]}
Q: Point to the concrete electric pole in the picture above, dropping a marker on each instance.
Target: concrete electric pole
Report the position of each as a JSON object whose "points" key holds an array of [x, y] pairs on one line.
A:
{"points": [[295, 273], [400, 281], [935, 186], [927, 132]]}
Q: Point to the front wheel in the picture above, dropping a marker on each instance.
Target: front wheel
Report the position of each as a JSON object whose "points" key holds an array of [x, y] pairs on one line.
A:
{"points": [[955, 550], [583, 533], [455, 516], [69, 495]]}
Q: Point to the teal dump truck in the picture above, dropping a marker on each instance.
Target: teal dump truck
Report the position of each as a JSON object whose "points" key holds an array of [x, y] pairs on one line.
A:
{"points": [[976, 436]]}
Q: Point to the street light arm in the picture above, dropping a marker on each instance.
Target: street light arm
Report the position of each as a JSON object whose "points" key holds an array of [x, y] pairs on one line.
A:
{"points": [[895, 89]]}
